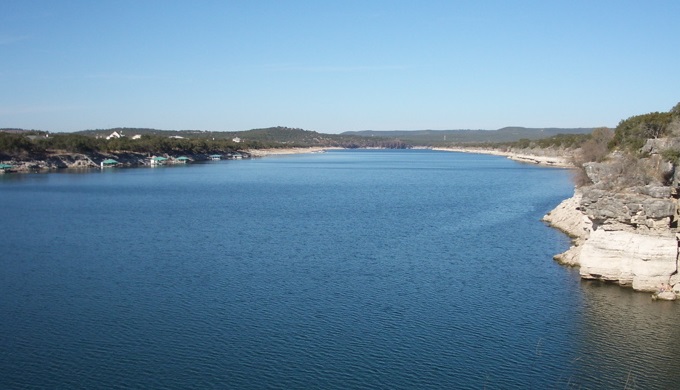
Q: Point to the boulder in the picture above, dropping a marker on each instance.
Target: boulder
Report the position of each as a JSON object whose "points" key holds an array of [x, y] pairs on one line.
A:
{"points": [[665, 296]]}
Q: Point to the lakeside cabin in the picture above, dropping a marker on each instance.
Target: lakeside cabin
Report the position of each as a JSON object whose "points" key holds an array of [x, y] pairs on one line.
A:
{"points": [[108, 163], [4, 168]]}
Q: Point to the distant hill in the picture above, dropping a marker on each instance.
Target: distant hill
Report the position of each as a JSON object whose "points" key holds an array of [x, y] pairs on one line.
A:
{"points": [[278, 134], [506, 134], [270, 137], [130, 131]]}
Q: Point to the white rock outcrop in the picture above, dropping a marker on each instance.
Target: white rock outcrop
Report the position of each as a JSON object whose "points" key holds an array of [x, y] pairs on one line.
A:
{"points": [[568, 218], [630, 259], [629, 241]]}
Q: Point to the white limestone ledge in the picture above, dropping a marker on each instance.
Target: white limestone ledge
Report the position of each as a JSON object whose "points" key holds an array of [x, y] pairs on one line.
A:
{"points": [[641, 261]]}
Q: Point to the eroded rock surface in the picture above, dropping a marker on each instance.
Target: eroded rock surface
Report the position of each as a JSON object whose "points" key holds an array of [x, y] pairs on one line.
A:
{"points": [[628, 235], [631, 259]]}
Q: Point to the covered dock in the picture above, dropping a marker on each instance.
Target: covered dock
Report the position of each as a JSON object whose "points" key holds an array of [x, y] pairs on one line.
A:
{"points": [[108, 163]]}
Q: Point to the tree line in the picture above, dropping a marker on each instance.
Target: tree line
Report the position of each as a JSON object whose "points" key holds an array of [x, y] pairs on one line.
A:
{"points": [[19, 145]]}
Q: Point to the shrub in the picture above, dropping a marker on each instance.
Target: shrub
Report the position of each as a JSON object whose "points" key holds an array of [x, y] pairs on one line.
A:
{"points": [[595, 149], [632, 133]]}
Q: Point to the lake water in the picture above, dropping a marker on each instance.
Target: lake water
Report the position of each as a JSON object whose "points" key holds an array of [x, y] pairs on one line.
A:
{"points": [[349, 269]]}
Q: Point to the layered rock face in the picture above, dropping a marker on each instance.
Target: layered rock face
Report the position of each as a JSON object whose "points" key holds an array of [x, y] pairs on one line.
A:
{"points": [[629, 258], [624, 235], [568, 218]]}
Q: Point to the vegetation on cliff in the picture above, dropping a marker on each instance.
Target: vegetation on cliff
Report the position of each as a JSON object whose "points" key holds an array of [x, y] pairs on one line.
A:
{"points": [[633, 133], [626, 209], [642, 150]]}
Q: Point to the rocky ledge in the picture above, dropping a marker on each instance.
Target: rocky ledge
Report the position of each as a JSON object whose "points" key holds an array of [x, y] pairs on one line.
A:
{"points": [[56, 160], [625, 235]]}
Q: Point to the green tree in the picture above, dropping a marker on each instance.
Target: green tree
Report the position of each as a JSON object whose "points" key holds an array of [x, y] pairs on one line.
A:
{"points": [[675, 111], [632, 133]]}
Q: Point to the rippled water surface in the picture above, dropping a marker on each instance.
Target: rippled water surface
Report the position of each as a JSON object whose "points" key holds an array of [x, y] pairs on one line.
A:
{"points": [[349, 269]]}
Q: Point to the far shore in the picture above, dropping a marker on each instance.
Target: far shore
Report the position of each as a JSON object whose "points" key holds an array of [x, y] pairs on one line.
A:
{"points": [[285, 151], [548, 161], [77, 160], [543, 160]]}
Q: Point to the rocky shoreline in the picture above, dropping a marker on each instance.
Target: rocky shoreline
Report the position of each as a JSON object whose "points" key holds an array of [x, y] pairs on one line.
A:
{"points": [[625, 239], [628, 236], [55, 161]]}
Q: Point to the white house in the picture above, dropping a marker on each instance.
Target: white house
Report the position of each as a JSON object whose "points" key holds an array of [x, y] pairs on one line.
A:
{"points": [[115, 134]]}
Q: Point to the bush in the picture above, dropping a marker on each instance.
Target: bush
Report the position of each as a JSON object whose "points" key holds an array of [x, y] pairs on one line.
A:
{"points": [[73, 143], [17, 145], [595, 149], [671, 155]]}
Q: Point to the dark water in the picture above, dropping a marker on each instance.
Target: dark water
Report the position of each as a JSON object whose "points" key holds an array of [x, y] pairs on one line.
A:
{"points": [[350, 269]]}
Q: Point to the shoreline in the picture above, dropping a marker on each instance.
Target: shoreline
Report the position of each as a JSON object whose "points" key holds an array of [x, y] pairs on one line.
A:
{"points": [[287, 151], [58, 161], [543, 160], [53, 162]]}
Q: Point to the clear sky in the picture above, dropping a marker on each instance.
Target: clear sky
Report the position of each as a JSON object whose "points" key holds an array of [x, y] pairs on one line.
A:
{"points": [[334, 66]]}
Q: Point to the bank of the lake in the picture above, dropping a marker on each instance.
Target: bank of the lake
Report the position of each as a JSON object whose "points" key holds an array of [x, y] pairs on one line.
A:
{"points": [[545, 157], [636, 245], [62, 160]]}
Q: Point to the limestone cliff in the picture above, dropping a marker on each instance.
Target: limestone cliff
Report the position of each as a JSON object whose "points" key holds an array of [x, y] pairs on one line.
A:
{"points": [[624, 233], [568, 218]]}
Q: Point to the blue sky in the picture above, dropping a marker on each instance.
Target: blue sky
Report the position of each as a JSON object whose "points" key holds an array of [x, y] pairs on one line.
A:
{"points": [[334, 66]]}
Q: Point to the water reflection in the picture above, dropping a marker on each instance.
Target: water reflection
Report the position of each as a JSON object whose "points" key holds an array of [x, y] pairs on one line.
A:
{"points": [[625, 338]]}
